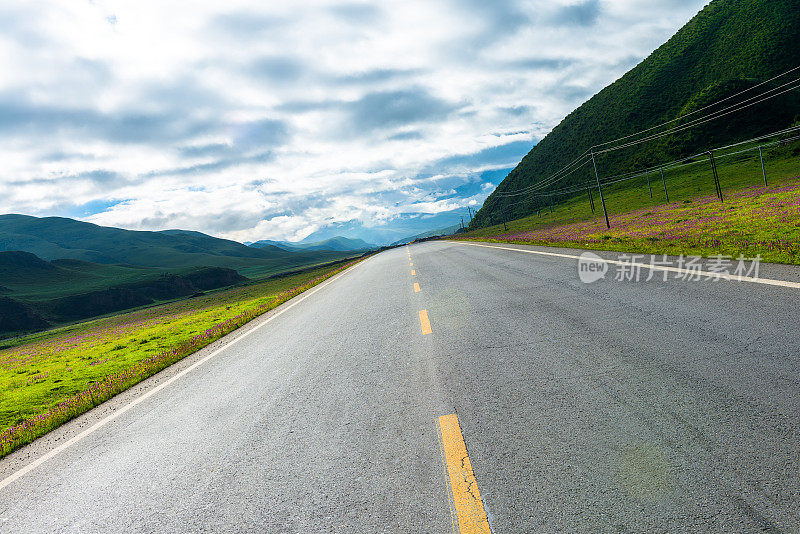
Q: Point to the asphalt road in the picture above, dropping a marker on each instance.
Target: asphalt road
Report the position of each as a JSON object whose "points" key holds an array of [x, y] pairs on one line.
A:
{"points": [[618, 406]]}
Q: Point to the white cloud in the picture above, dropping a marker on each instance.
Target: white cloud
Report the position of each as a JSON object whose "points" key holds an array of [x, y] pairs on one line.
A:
{"points": [[271, 120]]}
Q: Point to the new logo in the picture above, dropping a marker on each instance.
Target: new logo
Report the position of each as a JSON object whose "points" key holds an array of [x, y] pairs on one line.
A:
{"points": [[591, 267]]}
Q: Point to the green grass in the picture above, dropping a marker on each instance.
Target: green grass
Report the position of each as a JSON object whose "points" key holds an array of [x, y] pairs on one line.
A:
{"points": [[49, 377], [752, 220]]}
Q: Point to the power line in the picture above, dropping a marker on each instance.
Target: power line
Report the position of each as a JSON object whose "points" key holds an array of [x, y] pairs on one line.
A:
{"points": [[677, 163], [698, 110], [711, 116], [558, 175]]}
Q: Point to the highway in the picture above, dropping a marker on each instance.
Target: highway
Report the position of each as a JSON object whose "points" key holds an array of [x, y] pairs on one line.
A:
{"points": [[617, 406]]}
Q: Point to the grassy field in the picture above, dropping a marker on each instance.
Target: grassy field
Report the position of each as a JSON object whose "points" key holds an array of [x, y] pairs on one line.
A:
{"points": [[50, 377], [753, 219]]}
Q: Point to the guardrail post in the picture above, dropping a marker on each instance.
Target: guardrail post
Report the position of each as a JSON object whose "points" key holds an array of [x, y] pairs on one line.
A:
{"points": [[763, 169], [600, 189]]}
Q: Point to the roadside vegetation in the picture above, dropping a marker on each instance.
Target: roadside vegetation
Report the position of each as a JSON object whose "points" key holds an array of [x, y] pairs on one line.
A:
{"points": [[51, 377], [752, 220]]}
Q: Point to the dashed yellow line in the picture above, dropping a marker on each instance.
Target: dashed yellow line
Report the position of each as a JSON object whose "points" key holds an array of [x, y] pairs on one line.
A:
{"points": [[466, 499], [424, 322], [413, 272], [416, 287], [412, 264]]}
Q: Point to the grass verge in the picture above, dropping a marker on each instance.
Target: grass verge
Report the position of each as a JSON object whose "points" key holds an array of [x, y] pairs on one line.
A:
{"points": [[48, 378]]}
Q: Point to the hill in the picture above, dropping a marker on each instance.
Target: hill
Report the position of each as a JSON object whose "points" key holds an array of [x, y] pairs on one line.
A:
{"points": [[39, 293], [730, 46], [338, 243], [52, 238]]}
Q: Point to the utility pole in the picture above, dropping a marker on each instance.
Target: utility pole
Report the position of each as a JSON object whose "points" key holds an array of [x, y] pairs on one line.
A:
{"points": [[462, 222], [591, 200], [763, 169], [600, 189], [504, 219], [665, 184], [550, 196], [716, 176], [647, 172]]}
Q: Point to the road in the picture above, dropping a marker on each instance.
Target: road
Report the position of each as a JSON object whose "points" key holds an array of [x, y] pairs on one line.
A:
{"points": [[617, 406]]}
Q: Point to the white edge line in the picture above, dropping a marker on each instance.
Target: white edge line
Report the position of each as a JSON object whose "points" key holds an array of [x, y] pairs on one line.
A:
{"points": [[53, 452], [720, 276]]}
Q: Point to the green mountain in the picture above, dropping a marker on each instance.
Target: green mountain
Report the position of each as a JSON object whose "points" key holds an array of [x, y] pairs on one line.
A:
{"points": [[730, 46], [338, 243], [38, 293], [53, 238]]}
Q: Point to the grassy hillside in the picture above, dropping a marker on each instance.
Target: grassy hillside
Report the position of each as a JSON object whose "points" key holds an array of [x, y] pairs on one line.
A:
{"points": [[31, 278], [53, 238], [729, 46], [38, 294], [753, 220]]}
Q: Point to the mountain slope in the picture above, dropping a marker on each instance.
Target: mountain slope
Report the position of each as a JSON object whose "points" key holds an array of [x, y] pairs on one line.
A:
{"points": [[38, 293], [729, 46], [59, 238]]}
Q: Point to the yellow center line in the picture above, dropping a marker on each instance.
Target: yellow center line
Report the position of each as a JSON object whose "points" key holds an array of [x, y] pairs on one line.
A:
{"points": [[416, 287], [413, 272], [425, 322], [466, 499], [412, 264]]}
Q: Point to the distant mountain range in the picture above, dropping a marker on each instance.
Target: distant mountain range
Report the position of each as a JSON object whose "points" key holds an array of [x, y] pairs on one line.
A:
{"points": [[401, 227], [338, 243], [52, 238], [450, 230], [55, 270]]}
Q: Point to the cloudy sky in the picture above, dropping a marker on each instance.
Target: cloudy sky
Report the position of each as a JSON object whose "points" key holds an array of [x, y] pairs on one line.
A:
{"points": [[254, 120]]}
